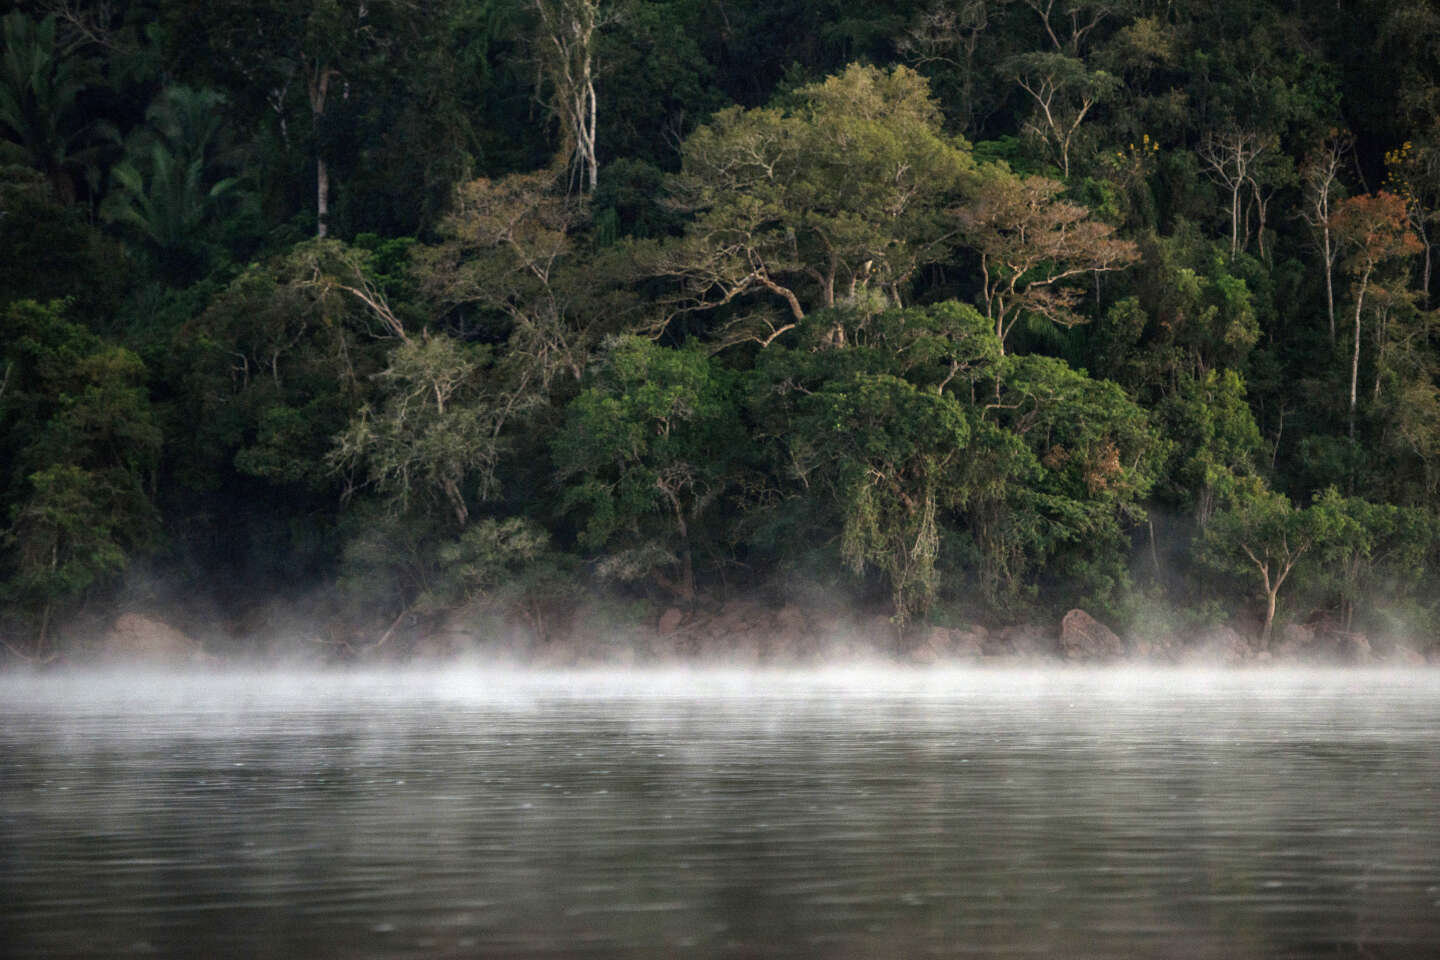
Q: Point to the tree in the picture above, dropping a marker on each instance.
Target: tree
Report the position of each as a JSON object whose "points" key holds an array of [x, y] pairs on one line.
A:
{"points": [[276, 50], [166, 188], [892, 450], [511, 253], [1320, 175], [951, 37], [432, 430], [1064, 92], [568, 34], [1059, 468], [1214, 441], [82, 447], [1030, 243], [1374, 230], [1369, 551], [49, 245], [1084, 17], [865, 447], [40, 118], [1261, 535], [655, 434], [838, 195], [1231, 160], [1413, 173]]}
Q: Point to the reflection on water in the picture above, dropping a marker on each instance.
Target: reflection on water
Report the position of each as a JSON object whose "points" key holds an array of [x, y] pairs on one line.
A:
{"points": [[494, 814]]}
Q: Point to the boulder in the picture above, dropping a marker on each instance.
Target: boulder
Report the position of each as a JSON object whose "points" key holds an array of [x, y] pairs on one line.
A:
{"points": [[1295, 640], [136, 636], [967, 644], [1221, 644], [1353, 648], [670, 621], [1404, 656], [1026, 641], [791, 619], [931, 647], [1084, 638]]}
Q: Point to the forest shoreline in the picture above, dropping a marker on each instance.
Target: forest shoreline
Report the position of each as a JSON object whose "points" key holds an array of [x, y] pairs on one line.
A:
{"points": [[900, 318], [744, 631]]}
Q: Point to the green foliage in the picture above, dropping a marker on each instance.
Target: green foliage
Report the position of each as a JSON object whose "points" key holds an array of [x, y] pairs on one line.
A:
{"points": [[1064, 466], [837, 193], [646, 451], [1215, 441], [82, 446], [165, 188], [782, 185], [889, 452], [1369, 553], [40, 86], [433, 437], [51, 252], [1262, 538]]}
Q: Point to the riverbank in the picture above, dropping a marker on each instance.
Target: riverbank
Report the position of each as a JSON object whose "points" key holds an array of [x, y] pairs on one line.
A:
{"points": [[743, 631]]}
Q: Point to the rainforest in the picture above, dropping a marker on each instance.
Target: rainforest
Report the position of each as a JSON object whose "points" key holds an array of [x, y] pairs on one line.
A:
{"points": [[337, 327]]}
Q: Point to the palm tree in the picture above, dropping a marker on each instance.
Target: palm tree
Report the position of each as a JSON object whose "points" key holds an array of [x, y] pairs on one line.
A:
{"points": [[164, 188], [39, 86]]}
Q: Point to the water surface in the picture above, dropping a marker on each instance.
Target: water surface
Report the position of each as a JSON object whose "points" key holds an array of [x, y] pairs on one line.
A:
{"points": [[476, 813]]}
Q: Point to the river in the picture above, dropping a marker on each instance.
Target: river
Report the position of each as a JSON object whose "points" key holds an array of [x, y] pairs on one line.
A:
{"points": [[831, 814]]}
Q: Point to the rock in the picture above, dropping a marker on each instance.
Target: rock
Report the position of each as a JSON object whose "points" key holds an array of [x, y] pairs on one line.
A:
{"points": [[670, 621], [1082, 637], [879, 632], [1220, 645], [929, 650], [1027, 641], [1353, 648], [138, 637], [1295, 640], [1407, 656], [1341, 646], [791, 619], [967, 644]]}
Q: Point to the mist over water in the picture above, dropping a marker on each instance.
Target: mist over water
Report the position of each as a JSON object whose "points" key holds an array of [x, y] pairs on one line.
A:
{"points": [[715, 813]]}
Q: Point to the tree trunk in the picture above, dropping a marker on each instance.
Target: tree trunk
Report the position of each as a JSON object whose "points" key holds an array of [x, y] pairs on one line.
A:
{"points": [[319, 91], [1355, 355], [1329, 283], [1269, 617], [1425, 273], [322, 196], [1234, 221], [43, 640]]}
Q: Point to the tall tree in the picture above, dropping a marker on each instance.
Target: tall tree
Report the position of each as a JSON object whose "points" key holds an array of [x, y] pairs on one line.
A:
{"points": [[1263, 536], [1063, 91], [838, 195], [1375, 229], [644, 455], [566, 43], [1320, 175], [1231, 159], [271, 52], [40, 116], [1032, 246]]}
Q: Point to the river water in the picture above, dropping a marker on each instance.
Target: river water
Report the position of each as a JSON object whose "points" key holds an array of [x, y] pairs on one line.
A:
{"points": [[838, 814]]}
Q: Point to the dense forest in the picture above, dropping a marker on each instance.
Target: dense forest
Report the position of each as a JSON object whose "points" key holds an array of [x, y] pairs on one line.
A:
{"points": [[980, 309]]}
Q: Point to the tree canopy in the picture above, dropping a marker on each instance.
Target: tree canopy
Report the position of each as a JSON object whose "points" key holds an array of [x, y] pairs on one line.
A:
{"points": [[973, 311]]}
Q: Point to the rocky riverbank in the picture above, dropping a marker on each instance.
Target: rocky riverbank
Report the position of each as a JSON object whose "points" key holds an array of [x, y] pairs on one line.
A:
{"points": [[743, 631]]}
